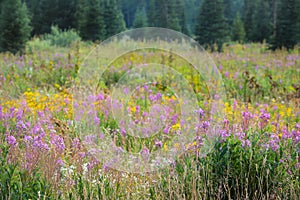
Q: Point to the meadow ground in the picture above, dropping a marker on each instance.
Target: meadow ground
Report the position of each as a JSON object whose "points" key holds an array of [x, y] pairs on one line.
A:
{"points": [[255, 154]]}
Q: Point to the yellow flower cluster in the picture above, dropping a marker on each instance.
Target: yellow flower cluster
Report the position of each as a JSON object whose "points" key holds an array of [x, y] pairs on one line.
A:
{"points": [[36, 101], [279, 111]]}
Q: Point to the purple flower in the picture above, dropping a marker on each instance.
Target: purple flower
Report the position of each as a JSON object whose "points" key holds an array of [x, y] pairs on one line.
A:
{"points": [[137, 109], [1, 114], [126, 90], [76, 143], [145, 87], [166, 130], [205, 125], [158, 96], [174, 118], [11, 140], [123, 132], [81, 154], [58, 142], [246, 143], [200, 112], [226, 74], [224, 134], [265, 116], [60, 162], [27, 138], [158, 143], [145, 153], [97, 120]]}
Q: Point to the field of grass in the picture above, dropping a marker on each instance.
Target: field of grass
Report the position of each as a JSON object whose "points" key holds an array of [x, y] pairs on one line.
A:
{"points": [[254, 155]]}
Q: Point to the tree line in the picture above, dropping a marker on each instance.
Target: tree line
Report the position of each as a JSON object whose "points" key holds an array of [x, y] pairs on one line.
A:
{"points": [[211, 22]]}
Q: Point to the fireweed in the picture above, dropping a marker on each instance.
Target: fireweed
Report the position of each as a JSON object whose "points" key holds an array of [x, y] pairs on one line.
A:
{"points": [[256, 155]]}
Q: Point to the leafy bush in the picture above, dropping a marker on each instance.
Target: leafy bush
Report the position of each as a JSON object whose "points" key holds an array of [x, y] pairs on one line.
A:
{"points": [[61, 38]]}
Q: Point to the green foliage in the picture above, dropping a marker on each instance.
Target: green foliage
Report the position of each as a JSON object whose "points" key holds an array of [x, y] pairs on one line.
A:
{"points": [[212, 27], [286, 32], [140, 18], [262, 27], [61, 38], [248, 17], [17, 184], [91, 20], [238, 31], [297, 33], [46, 13], [113, 18], [14, 25], [165, 14]]}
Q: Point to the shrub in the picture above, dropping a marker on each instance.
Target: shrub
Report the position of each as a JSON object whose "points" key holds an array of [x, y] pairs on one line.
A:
{"points": [[61, 38]]}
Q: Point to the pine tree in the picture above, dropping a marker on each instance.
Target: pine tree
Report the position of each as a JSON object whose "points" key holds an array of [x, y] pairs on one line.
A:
{"points": [[297, 34], [151, 13], [14, 25], [262, 28], [91, 22], [165, 14], [212, 28], [113, 18], [45, 16], [66, 18], [249, 22], [173, 16], [238, 31], [286, 35], [140, 18], [180, 10]]}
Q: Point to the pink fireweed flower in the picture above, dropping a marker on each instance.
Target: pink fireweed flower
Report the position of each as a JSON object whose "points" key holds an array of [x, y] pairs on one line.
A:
{"points": [[123, 132], [226, 74], [205, 125], [60, 162], [76, 143], [200, 112], [145, 153], [58, 142], [158, 143], [27, 138], [97, 120], [11, 140], [166, 130], [1, 113], [224, 134]]}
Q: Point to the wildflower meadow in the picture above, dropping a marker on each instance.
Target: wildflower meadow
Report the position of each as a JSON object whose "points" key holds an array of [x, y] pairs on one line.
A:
{"points": [[254, 152]]}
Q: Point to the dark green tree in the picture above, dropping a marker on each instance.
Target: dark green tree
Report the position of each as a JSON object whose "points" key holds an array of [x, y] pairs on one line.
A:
{"points": [[91, 23], [66, 18], [249, 21], [165, 14], [191, 10], [140, 19], [14, 25], [180, 11], [45, 16], [129, 9], [262, 19], [286, 35], [298, 21], [152, 13], [238, 31], [45, 13], [113, 18], [212, 28]]}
